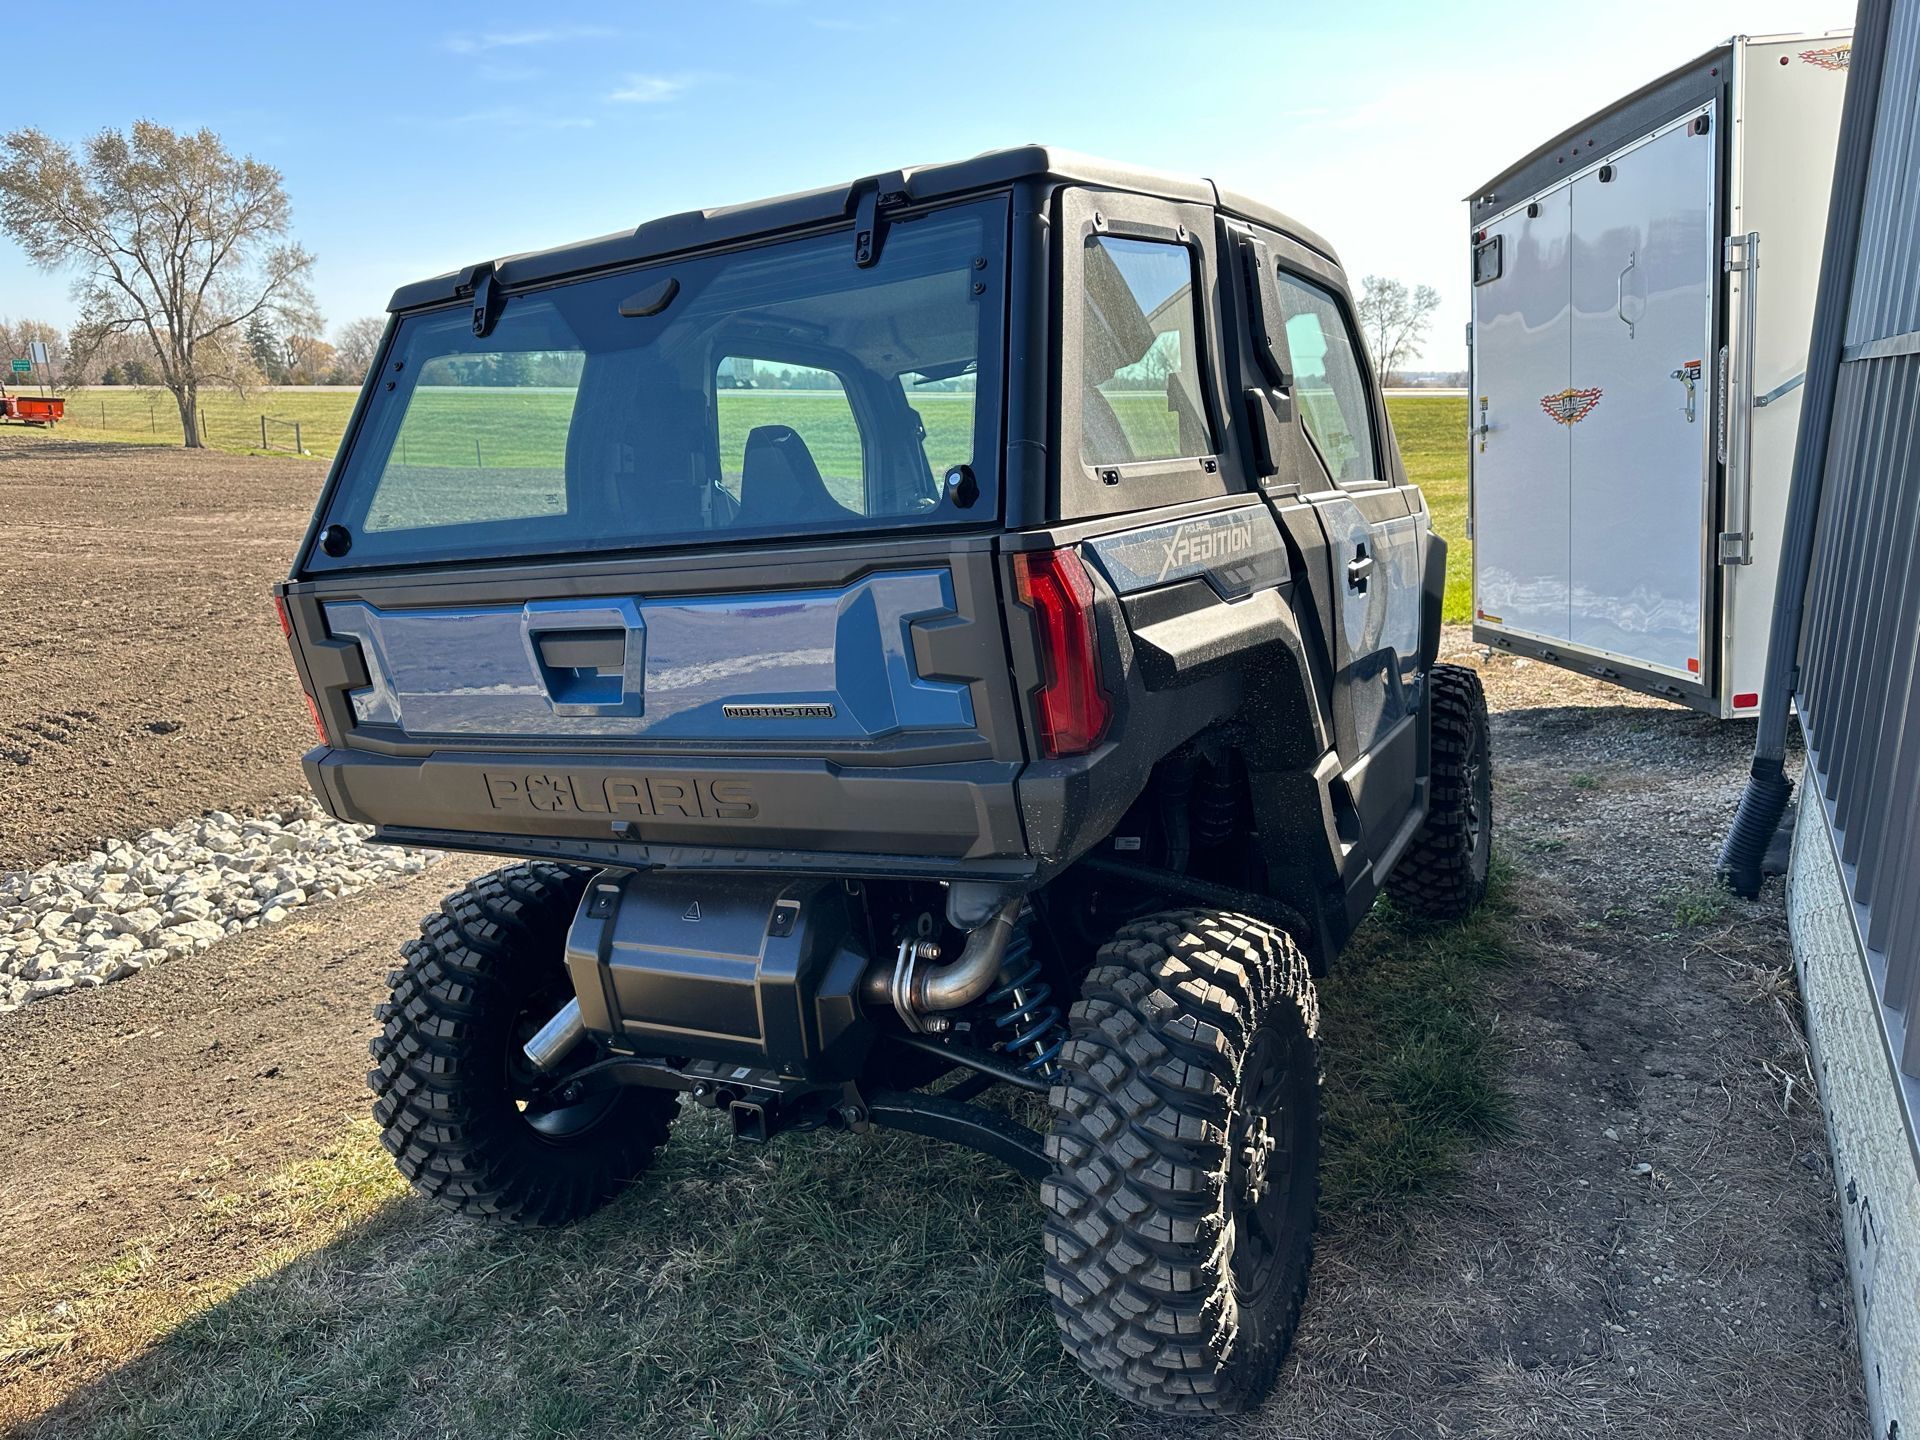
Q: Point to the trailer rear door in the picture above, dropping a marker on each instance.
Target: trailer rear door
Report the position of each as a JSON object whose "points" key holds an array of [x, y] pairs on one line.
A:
{"points": [[1638, 411], [1522, 347]]}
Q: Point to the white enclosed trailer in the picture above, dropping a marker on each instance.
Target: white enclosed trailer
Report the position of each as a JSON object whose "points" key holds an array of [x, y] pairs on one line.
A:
{"points": [[1643, 292]]}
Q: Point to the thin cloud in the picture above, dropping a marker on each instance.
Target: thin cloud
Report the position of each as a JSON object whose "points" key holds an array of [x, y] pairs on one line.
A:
{"points": [[652, 89], [520, 39]]}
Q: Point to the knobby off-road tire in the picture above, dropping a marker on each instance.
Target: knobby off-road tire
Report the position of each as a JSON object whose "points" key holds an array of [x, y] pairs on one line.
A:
{"points": [[1186, 1148], [1443, 875], [458, 1105]]}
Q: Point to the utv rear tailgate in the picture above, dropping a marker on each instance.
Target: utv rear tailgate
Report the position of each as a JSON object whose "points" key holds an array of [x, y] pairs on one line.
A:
{"points": [[858, 705]]}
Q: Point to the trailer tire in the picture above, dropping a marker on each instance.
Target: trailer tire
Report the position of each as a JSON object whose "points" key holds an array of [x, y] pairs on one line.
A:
{"points": [[451, 1090], [1443, 874], [1185, 1148]]}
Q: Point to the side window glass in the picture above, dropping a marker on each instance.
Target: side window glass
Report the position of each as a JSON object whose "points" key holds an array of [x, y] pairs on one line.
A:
{"points": [[788, 435], [1330, 384], [1140, 383]]}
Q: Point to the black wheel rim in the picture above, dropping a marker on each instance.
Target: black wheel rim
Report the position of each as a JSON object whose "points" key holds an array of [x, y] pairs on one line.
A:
{"points": [[1478, 802], [544, 1100], [1264, 1173]]}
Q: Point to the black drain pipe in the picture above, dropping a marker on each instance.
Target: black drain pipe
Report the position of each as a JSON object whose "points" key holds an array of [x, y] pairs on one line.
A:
{"points": [[1768, 788]]}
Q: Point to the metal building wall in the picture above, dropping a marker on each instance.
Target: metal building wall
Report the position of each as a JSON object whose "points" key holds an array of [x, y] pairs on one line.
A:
{"points": [[1859, 683]]}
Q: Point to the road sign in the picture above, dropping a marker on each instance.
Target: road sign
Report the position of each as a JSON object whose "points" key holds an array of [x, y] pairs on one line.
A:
{"points": [[37, 351], [23, 367]]}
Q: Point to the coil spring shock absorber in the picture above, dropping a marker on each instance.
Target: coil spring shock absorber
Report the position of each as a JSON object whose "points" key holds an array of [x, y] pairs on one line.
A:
{"points": [[1216, 803], [1033, 1021]]}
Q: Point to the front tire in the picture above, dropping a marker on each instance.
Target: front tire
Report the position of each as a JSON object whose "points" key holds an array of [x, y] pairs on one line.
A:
{"points": [[466, 1119], [1186, 1147], [1443, 874]]}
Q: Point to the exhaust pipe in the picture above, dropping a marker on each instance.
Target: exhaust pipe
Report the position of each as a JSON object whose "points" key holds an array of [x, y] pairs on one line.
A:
{"points": [[913, 989], [554, 1039]]}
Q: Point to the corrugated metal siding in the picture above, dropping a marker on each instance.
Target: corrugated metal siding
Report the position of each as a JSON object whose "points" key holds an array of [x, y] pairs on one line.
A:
{"points": [[1859, 684], [1886, 301]]}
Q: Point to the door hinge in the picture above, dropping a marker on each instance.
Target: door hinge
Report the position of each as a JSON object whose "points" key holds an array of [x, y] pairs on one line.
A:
{"points": [[1738, 251], [868, 229], [1736, 547]]}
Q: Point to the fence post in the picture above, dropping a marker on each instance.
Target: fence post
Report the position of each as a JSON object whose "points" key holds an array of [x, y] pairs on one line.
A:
{"points": [[478, 463], [103, 414], [263, 432], [299, 446], [153, 422]]}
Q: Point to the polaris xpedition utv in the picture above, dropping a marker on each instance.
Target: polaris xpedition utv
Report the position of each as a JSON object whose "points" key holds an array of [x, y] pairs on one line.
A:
{"points": [[970, 625]]}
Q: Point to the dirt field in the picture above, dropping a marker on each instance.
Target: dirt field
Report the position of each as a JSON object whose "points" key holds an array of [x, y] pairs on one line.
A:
{"points": [[200, 1238], [145, 678]]}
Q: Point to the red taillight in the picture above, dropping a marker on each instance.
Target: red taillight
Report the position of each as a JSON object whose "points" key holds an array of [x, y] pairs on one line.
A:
{"points": [[319, 725], [1072, 706], [313, 707]]}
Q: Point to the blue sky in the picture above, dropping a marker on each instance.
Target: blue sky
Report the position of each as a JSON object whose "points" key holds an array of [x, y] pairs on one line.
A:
{"points": [[415, 139]]}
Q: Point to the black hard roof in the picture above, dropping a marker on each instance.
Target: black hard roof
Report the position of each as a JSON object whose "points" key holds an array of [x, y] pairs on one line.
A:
{"points": [[697, 229]]}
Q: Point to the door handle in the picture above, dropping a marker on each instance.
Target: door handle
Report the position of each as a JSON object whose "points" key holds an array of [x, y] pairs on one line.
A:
{"points": [[1359, 569], [1620, 292]]}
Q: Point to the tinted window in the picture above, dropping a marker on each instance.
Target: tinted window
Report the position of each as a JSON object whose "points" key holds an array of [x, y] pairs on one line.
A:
{"points": [[1140, 384], [771, 391], [1329, 382]]}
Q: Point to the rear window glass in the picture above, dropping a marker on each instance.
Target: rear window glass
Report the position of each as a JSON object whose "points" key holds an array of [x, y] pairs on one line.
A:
{"points": [[1140, 386], [781, 390], [484, 439]]}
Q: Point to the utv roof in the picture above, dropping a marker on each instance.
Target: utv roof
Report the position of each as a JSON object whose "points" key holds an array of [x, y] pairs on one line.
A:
{"points": [[697, 229]]}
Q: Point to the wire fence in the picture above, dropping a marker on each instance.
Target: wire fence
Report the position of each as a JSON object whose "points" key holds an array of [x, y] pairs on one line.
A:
{"points": [[298, 422]]}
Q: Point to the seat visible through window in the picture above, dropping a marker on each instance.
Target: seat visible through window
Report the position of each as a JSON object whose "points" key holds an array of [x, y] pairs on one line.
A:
{"points": [[781, 485]]}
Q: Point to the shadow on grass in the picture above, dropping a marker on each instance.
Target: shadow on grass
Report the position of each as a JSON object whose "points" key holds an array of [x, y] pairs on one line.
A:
{"points": [[830, 1284]]}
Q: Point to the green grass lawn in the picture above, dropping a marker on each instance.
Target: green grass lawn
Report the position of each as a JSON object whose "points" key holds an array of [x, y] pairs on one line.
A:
{"points": [[454, 429], [1432, 431]]}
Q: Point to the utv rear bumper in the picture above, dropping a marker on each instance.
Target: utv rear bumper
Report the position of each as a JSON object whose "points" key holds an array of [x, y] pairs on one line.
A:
{"points": [[955, 820]]}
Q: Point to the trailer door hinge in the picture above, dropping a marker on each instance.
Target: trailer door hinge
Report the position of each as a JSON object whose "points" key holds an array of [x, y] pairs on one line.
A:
{"points": [[1737, 253], [1736, 547]]}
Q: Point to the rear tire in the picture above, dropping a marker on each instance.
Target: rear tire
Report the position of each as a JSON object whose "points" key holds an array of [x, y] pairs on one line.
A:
{"points": [[1443, 874], [458, 1105], [1186, 1147]]}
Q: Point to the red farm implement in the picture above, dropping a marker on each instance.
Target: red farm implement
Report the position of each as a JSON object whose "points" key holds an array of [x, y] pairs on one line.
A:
{"points": [[32, 409]]}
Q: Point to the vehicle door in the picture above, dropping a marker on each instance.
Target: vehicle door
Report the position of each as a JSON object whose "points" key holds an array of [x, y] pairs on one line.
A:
{"points": [[1376, 534]]}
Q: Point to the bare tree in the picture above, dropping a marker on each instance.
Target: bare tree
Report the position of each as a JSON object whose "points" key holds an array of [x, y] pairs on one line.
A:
{"points": [[355, 342], [1395, 320], [172, 237], [309, 360]]}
